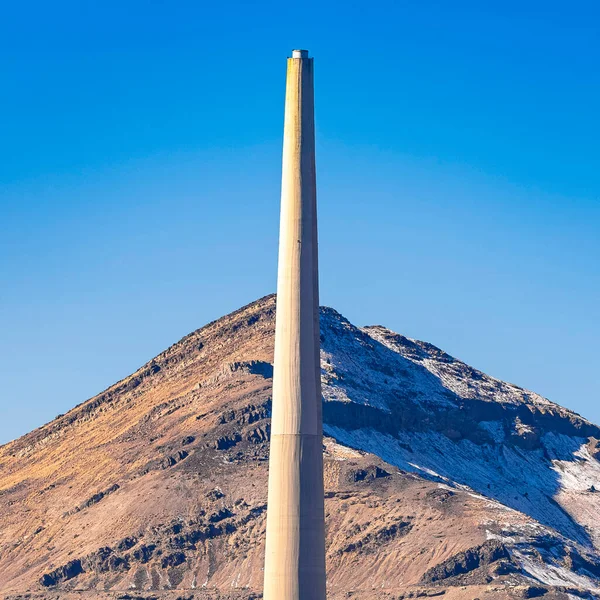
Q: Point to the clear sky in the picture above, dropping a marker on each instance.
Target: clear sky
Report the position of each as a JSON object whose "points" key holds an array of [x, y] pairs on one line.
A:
{"points": [[458, 172]]}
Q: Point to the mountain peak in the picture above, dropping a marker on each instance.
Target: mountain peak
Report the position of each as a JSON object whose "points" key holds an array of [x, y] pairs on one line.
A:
{"points": [[439, 477]]}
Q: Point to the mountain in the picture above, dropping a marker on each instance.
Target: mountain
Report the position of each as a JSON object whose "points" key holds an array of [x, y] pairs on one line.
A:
{"points": [[440, 480]]}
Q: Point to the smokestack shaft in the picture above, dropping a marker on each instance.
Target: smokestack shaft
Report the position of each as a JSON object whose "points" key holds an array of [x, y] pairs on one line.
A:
{"points": [[295, 544]]}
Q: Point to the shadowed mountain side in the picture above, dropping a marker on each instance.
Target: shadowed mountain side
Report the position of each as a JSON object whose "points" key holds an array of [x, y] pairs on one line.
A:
{"points": [[502, 450], [159, 482]]}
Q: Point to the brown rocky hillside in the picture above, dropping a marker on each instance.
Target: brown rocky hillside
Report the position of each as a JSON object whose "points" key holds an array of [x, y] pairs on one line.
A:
{"points": [[440, 480]]}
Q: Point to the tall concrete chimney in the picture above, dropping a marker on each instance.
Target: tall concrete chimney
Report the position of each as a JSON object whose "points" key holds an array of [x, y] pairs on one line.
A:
{"points": [[295, 545]]}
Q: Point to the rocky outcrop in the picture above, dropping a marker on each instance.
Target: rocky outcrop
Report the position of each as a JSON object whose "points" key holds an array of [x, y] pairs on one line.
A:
{"points": [[466, 562], [93, 499], [64, 573], [163, 547]]}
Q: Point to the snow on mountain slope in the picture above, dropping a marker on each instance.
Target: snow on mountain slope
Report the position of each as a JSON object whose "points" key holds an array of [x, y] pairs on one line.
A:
{"points": [[426, 412], [455, 375]]}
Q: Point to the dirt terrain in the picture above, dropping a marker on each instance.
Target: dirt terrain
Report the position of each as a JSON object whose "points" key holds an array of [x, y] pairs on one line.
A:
{"points": [[440, 480]]}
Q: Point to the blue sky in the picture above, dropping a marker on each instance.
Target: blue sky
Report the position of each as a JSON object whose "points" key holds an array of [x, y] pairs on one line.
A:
{"points": [[458, 170]]}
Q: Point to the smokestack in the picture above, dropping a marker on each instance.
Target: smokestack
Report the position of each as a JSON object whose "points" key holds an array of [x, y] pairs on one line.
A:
{"points": [[295, 544]]}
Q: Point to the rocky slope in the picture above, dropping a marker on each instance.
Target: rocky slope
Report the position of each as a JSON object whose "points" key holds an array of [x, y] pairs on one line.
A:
{"points": [[440, 480]]}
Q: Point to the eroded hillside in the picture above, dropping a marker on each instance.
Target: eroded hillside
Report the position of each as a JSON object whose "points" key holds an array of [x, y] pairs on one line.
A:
{"points": [[440, 480]]}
